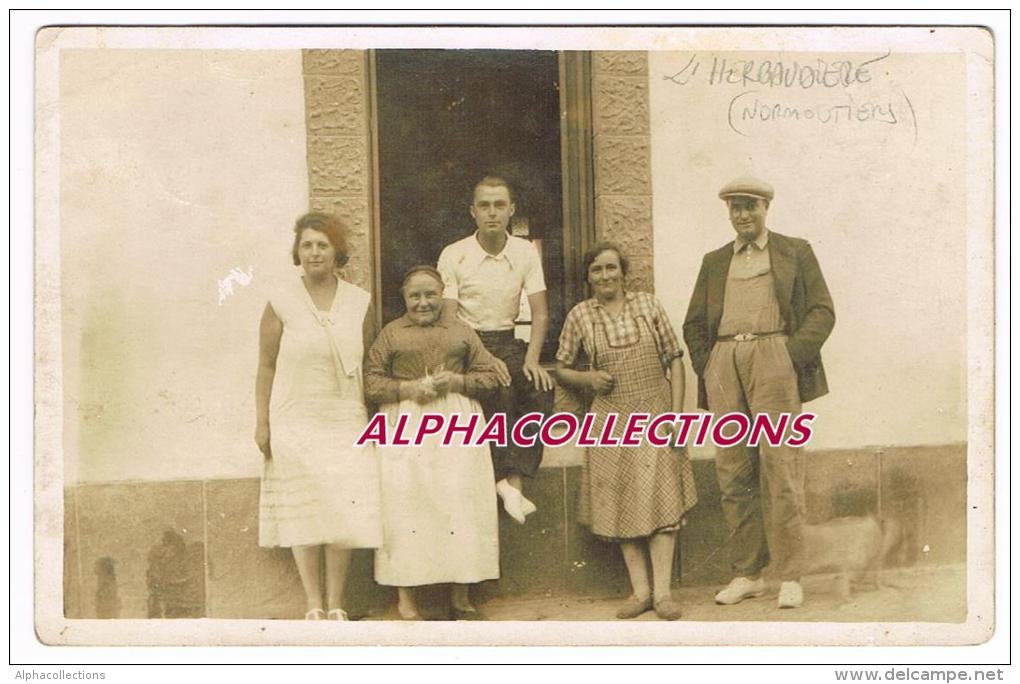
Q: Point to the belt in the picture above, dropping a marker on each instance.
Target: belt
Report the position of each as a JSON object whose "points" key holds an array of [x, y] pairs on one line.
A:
{"points": [[495, 335], [747, 337]]}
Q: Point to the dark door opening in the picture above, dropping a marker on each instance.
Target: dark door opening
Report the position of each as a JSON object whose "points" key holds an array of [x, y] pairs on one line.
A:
{"points": [[445, 119]]}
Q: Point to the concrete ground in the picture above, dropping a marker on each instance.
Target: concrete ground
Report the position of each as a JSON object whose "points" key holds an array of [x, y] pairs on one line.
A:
{"points": [[920, 594]]}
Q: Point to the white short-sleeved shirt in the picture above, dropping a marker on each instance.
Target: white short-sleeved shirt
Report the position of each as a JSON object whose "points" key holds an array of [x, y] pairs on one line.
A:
{"points": [[488, 287]]}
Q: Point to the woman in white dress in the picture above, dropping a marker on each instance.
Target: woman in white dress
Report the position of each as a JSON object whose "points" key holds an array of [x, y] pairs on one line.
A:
{"points": [[438, 502], [320, 494]]}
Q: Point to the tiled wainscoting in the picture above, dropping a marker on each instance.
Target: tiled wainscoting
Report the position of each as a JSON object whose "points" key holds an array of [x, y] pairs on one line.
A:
{"points": [[190, 548]]}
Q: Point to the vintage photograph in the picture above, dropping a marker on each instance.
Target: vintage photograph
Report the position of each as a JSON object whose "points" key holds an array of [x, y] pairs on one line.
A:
{"points": [[250, 241]]}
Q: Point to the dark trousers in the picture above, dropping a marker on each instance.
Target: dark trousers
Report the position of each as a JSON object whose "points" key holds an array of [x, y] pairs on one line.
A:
{"points": [[519, 398]]}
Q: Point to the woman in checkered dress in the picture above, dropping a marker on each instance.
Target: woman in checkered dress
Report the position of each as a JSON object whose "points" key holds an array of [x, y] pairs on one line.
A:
{"points": [[636, 496]]}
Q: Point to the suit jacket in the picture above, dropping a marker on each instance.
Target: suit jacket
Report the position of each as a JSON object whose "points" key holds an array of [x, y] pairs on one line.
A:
{"points": [[804, 302]]}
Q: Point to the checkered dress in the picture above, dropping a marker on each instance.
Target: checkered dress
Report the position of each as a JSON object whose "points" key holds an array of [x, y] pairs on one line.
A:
{"points": [[632, 492]]}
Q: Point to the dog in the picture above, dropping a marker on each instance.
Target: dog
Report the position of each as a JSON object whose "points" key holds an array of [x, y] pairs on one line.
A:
{"points": [[855, 548]]}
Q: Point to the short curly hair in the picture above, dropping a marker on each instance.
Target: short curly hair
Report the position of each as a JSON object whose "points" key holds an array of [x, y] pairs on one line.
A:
{"points": [[327, 224], [604, 246]]}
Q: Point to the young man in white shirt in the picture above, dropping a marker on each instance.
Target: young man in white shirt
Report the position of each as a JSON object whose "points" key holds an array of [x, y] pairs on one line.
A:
{"points": [[484, 275]]}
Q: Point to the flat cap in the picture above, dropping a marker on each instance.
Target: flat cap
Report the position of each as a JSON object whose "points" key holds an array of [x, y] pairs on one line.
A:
{"points": [[747, 186]]}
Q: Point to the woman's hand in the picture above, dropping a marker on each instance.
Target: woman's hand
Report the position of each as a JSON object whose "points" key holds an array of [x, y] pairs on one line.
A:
{"points": [[419, 391], [262, 440], [601, 381], [446, 381]]}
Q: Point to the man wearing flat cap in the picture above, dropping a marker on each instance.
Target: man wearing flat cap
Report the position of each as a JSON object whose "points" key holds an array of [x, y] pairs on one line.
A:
{"points": [[755, 327]]}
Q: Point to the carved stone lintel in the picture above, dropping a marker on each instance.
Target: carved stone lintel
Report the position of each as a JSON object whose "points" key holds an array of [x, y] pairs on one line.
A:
{"points": [[335, 105], [621, 106], [333, 62], [337, 166], [626, 220], [358, 270], [626, 63], [622, 165], [641, 276], [353, 211]]}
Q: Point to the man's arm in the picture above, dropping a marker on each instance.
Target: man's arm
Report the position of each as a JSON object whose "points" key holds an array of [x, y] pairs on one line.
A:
{"points": [[819, 314], [533, 371], [450, 307], [696, 333]]}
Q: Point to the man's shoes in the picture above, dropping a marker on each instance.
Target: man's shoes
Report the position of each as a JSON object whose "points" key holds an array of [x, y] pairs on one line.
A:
{"points": [[634, 607], [668, 609], [315, 614], [337, 614], [741, 588], [514, 503], [791, 595]]}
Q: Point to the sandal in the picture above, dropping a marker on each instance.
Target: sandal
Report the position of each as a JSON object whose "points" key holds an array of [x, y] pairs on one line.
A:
{"points": [[337, 614], [315, 614]]}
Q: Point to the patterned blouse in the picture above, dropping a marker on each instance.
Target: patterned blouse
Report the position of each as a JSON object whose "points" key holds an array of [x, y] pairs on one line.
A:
{"points": [[579, 328], [405, 350]]}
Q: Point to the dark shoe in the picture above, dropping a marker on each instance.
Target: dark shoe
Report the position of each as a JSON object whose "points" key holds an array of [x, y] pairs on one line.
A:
{"points": [[465, 614], [634, 607], [668, 609]]}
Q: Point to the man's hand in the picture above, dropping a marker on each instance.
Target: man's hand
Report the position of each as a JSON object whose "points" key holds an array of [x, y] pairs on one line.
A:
{"points": [[601, 381], [502, 374], [262, 440], [537, 375]]}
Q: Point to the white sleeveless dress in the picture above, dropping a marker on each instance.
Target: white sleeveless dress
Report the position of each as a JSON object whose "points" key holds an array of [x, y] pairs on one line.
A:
{"points": [[319, 488]]}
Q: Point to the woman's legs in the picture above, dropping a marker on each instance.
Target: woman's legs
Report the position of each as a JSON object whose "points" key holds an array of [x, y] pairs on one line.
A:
{"points": [[309, 566], [338, 560], [661, 546], [459, 598], [406, 605], [637, 567]]}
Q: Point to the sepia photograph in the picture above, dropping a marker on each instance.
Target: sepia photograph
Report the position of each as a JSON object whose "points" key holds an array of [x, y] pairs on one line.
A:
{"points": [[525, 335]]}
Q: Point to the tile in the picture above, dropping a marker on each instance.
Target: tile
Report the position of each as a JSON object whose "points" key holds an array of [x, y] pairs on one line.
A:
{"points": [[363, 595], [72, 578], [594, 567], [532, 556], [924, 491], [840, 483], [142, 550], [246, 580], [704, 556]]}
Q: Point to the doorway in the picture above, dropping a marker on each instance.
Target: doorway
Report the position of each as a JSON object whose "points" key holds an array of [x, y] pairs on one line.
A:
{"points": [[445, 119]]}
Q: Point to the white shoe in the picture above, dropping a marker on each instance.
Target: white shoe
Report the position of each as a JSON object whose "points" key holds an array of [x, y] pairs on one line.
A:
{"points": [[527, 508], [791, 595], [741, 588], [513, 501]]}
